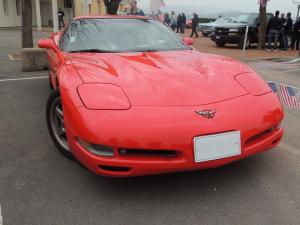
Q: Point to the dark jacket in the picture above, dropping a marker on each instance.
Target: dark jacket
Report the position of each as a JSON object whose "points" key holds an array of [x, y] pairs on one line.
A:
{"points": [[297, 30], [195, 21], [61, 14], [274, 23], [183, 19], [179, 20], [288, 26]]}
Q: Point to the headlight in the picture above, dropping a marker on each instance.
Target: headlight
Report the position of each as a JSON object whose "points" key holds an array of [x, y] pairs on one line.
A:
{"points": [[97, 96], [234, 30], [252, 83], [98, 150]]}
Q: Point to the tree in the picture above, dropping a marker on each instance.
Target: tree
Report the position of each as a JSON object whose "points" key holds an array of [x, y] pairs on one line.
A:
{"points": [[27, 39], [112, 6], [262, 32]]}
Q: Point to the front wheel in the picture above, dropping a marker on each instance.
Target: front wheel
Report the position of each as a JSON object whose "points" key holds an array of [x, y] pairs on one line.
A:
{"points": [[220, 43], [55, 123]]}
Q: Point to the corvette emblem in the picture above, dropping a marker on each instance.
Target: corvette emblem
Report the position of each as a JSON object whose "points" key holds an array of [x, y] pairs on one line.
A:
{"points": [[209, 114]]}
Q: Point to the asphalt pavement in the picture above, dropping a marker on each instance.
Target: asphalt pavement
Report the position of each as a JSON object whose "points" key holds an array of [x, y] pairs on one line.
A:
{"points": [[39, 186]]}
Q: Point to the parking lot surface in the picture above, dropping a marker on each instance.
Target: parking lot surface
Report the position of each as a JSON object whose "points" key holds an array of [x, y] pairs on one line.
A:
{"points": [[39, 186]]}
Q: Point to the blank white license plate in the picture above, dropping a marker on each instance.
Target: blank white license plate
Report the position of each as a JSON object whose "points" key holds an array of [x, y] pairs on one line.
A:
{"points": [[218, 37], [218, 146]]}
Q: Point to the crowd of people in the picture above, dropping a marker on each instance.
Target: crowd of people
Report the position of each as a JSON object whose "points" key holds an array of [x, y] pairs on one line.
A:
{"points": [[176, 22], [282, 29]]}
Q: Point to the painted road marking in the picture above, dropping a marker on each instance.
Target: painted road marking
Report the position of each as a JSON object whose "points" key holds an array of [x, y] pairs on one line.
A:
{"points": [[27, 78], [295, 60], [1, 220]]}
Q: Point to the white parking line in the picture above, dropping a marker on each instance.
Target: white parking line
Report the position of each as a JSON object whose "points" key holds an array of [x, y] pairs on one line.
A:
{"points": [[27, 78], [1, 220], [295, 60]]}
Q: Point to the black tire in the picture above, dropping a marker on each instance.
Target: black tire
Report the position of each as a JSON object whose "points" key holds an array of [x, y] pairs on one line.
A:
{"points": [[220, 43], [60, 140], [241, 43], [204, 34]]}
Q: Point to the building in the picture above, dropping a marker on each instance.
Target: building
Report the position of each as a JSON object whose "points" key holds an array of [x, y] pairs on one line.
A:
{"points": [[43, 11]]}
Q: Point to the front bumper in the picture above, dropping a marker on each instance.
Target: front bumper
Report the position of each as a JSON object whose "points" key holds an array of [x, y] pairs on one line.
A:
{"points": [[172, 128], [232, 38]]}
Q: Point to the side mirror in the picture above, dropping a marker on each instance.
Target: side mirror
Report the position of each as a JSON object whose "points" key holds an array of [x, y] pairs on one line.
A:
{"points": [[188, 41], [48, 44]]}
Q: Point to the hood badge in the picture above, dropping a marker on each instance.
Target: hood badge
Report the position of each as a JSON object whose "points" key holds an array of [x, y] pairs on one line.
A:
{"points": [[208, 114]]}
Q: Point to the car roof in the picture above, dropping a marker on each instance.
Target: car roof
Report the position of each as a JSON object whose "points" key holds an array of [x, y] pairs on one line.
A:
{"points": [[111, 17]]}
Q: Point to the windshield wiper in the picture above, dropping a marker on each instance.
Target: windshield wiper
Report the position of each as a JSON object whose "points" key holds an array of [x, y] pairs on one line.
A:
{"points": [[92, 50]]}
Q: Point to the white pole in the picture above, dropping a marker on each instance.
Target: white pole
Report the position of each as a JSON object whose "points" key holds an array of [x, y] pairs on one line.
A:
{"points": [[245, 42], [55, 16], [85, 7], [38, 15]]}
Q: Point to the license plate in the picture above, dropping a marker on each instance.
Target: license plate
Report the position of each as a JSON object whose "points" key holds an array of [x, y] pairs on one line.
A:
{"points": [[218, 37], [218, 146]]}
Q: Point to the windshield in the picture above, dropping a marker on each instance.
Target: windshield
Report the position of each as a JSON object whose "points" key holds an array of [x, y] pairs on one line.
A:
{"points": [[120, 35], [247, 18], [223, 20]]}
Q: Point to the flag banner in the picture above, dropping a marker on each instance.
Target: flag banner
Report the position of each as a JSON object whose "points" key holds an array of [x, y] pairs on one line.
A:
{"points": [[291, 96], [162, 3], [274, 88]]}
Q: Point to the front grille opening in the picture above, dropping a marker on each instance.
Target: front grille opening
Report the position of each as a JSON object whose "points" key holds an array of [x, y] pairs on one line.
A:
{"points": [[276, 141], [148, 153], [114, 168], [260, 136]]}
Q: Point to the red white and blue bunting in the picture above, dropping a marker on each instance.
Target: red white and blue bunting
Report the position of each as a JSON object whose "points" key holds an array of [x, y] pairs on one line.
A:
{"points": [[289, 94]]}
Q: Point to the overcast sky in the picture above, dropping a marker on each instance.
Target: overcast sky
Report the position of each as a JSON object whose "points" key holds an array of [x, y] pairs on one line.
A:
{"points": [[236, 5]]}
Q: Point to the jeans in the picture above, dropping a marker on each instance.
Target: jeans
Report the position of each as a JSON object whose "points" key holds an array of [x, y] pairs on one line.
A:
{"points": [[194, 31], [273, 37], [285, 41]]}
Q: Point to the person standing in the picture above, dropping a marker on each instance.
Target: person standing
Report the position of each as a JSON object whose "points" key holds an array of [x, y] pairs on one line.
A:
{"points": [[281, 32], [273, 28], [183, 17], [134, 11], [296, 34], [61, 15], [167, 19], [195, 23], [288, 30], [179, 21], [173, 20]]}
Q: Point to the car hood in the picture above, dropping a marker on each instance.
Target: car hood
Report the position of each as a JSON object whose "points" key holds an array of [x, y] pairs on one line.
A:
{"points": [[179, 78]]}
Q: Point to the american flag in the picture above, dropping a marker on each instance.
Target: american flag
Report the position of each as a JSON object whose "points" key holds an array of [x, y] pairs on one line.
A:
{"points": [[263, 3], [274, 88], [291, 96]]}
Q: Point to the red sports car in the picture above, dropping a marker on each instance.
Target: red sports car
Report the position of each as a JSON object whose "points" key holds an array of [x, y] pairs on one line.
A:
{"points": [[131, 98]]}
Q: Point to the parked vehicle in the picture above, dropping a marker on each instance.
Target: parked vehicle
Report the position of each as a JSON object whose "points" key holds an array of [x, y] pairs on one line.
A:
{"points": [[189, 24], [127, 103], [206, 28], [234, 33]]}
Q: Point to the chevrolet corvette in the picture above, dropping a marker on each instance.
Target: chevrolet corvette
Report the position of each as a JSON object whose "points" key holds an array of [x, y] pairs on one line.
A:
{"points": [[131, 98]]}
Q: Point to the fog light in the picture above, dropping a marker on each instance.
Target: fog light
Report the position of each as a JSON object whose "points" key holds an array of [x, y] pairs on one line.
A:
{"points": [[99, 150]]}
